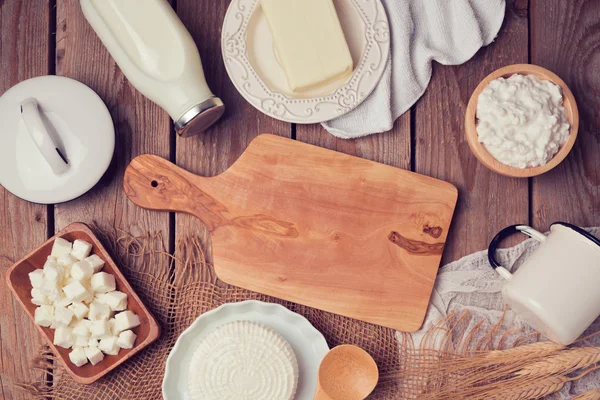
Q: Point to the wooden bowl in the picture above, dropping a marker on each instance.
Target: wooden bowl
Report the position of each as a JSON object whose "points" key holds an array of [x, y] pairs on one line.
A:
{"points": [[479, 149], [18, 282]]}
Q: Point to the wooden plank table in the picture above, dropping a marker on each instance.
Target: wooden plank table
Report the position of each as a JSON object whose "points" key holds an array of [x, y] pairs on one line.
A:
{"points": [[39, 37]]}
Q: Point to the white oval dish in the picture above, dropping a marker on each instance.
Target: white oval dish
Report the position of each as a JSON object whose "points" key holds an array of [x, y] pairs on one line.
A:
{"points": [[78, 120], [252, 64], [308, 343]]}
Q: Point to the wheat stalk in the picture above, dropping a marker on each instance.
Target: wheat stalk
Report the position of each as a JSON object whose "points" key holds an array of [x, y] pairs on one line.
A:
{"points": [[593, 394], [528, 351], [563, 362], [535, 390]]}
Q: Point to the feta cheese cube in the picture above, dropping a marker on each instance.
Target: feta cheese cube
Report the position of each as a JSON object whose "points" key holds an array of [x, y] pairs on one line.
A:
{"points": [[80, 341], [62, 316], [62, 302], [44, 315], [93, 354], [82, 329], [93, 342], [82, 270], [96, 262], [81, 249], [36, 278], [38, 298], [126, 320], [63, 337], [100, 298], [109, 346], [77, 356], [66, 260], [100, 329], [51, 290], [116, 300], [126, 339], [99, 311], [102, 282], [113, 329], [52, 272], [79, 309], [60, 247], [76, 291], [90, 295]]}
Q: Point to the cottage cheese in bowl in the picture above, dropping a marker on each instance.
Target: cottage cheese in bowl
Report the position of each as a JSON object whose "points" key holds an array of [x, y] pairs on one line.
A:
{"points": [[521, 120]]}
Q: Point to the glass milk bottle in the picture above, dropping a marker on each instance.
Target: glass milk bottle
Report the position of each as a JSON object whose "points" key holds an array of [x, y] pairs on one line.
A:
{"points": [[158, 56]]}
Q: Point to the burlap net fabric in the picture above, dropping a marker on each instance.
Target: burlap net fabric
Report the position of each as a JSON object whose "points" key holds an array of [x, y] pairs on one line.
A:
{"points": [[452, 358]]}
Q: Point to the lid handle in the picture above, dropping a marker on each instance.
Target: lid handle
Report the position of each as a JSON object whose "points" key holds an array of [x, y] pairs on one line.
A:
{"points": [[41, 137]]}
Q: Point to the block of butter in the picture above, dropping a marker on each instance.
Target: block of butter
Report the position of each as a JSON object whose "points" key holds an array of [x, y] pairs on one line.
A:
{"points": [[309, 41]]}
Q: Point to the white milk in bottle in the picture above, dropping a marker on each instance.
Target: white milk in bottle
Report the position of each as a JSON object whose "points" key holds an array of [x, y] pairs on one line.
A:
{"points": [[158, 56]]}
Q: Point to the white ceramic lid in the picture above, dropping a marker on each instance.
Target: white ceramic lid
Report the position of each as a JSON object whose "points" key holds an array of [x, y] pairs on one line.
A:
{"points": [[56, 139]]}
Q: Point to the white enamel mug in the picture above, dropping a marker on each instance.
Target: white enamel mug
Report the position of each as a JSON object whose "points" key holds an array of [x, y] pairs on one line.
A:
{"points": [[557, 289]]}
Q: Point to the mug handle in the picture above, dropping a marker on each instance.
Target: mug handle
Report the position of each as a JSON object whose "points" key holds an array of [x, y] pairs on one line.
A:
{"points": [[527, 230]]}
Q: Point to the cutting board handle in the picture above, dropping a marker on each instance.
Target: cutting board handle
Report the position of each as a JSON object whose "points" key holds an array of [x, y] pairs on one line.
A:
{"points": [[154, 183]]}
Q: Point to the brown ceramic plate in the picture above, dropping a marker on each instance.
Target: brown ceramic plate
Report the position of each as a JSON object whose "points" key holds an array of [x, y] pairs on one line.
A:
{"points": [[479, 149], [18, 282]]}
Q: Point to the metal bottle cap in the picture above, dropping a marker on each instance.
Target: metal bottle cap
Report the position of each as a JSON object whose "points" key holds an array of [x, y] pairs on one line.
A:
{"points": [[198, 118]]}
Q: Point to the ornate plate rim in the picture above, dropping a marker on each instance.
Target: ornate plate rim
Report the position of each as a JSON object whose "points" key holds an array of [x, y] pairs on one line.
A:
{"points": [[367, 73], [301, 323]]}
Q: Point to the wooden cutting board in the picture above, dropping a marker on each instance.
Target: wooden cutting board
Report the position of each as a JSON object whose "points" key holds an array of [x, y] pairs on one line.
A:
{"points": [[314, 226]]}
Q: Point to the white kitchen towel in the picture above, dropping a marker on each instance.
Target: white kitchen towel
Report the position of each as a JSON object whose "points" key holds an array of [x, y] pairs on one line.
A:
{"points": [[447, 31], [471, 284]]}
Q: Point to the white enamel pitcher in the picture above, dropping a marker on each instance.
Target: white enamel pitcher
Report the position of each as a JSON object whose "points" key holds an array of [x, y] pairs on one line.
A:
{"points": [[557, 289]]}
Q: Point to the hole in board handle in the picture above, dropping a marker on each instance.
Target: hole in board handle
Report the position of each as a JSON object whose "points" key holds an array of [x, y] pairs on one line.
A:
{"points": [[154, 183]]}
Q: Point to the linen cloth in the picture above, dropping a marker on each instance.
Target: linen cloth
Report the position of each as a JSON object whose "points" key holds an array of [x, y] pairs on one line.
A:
{"points": [[421, 31], [471, 284]]}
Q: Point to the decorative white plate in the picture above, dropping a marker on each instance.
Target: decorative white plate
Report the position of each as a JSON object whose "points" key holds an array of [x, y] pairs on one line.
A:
{"points": [[252, 64], [308, 343]]}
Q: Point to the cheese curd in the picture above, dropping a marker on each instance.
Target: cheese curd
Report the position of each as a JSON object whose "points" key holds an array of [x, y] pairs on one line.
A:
{"points": [[77, 301], [243, 360], [521, 120]]}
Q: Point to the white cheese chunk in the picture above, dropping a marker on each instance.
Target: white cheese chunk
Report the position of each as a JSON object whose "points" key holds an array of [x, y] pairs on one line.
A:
{"points": [[80, 341], [90, 293], [79, 309], [82, 329], [116, 300], [63, 337], [66, 260], [62, 316], [93, 342], [126, 339], [77, 356], [62, 302], [82, 270], [100, 329], [93, 354], [96, 262], [76, 291], [100, 298], [52, 272], [51, 290], [309, 40], [60, 247], [102, 282], [44, 315], [126, 320], [36, 278], [113, 327], [99, 311], [81, 249], [38, 298], [109, 346]]}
